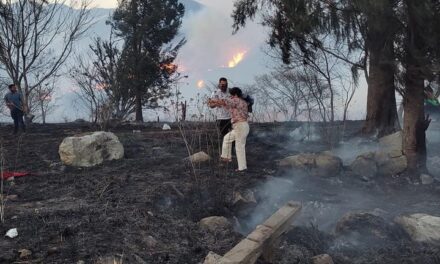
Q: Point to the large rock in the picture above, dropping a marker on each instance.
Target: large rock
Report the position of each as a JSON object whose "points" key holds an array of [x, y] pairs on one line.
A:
{"points": [[364, 166], [244, 202], [301, 161], [390, 158], [215, 223], [199, 157], [366, 227], [392, 142], [421, 227], [391, 163], [90, 150], [321, 164]]}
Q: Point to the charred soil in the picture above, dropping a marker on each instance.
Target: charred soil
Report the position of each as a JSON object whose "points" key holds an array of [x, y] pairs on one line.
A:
{"points": [[146, 207]]}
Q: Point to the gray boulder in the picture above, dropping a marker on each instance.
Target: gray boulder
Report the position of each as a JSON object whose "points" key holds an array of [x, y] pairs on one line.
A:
{"points": [[215, 223], [390, 159], [392, 142], [90, 150], [199, 157], [365, 228], [421, 227], [364, 166], [320, 164]]}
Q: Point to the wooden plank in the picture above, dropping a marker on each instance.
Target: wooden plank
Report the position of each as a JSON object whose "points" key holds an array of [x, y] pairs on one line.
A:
{"points": [[263, 238]]}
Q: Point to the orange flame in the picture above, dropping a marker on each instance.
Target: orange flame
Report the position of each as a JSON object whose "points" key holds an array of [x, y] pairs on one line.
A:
{"points": [[200, 84], [170, 68], [236, 59], [45, 97], [101, 86]]}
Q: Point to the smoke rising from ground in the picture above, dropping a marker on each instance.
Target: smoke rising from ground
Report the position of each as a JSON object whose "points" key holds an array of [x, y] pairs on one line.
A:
{"points": [[326, 199]]}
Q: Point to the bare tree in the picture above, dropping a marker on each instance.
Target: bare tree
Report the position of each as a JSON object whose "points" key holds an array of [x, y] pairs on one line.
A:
{"points": [[36, 38], [91, 94], [283, 91], [43, 99]]}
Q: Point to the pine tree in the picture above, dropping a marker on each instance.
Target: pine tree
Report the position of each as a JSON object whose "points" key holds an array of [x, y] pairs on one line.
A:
{"points": [[148, 28], [366, 27]]}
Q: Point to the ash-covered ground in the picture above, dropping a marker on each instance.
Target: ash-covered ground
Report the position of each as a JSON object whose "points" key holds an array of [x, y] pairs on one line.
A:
{"points": [[146, 207]]}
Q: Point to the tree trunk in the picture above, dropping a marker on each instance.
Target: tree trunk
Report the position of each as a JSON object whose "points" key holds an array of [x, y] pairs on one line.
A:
{"points": [[414, 122], [138, 106], [381, 100], [43, 112]]}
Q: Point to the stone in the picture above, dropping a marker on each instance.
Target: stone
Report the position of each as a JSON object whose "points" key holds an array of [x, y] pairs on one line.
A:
{"points": [[392, 142], [24, 253], [261, 241], [212, 258], [301, 161], [388, 165], [426, 179], [215, 223], [365, 227], [90, 150], [321, 164], [244, 200], [12, 233], [390, 158], [151, 242], [421, 227], [199, 157], [322, 259], [328, 164], [364, 166]]}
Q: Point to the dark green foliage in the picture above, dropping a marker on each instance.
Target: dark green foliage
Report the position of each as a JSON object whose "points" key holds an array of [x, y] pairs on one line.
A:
{"points": [[148, 28]]}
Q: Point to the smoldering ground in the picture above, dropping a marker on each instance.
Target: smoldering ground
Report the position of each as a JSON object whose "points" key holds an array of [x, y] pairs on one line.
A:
{"points": [[349, 217], [148, 205]]}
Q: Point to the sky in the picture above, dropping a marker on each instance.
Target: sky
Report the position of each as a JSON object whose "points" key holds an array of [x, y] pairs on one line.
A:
{"points": [[210, 49]]}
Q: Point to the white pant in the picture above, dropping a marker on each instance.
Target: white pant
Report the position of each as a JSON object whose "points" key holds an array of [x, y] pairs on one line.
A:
{"points": [[238, 134]]}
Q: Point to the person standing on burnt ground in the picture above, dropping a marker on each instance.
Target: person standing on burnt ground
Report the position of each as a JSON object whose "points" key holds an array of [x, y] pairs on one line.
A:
{"points": [[238, 108], [223, 117], [14, 101]]}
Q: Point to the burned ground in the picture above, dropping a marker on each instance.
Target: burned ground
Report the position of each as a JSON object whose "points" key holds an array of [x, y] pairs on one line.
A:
{"points": [[145, 208]]}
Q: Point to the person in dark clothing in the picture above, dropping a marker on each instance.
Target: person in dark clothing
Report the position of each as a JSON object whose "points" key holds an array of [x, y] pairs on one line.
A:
{"points": [[14, 101]]}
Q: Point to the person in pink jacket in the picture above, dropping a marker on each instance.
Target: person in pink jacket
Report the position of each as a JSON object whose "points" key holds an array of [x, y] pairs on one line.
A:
{"points": [[238, 109]]}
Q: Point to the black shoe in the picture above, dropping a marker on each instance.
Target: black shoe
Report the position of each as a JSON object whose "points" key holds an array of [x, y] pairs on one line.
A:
{"points": [[241, 172]]}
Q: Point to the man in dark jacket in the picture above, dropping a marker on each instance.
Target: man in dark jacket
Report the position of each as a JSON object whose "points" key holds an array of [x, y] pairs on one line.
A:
{"points": [[14, 101]]}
